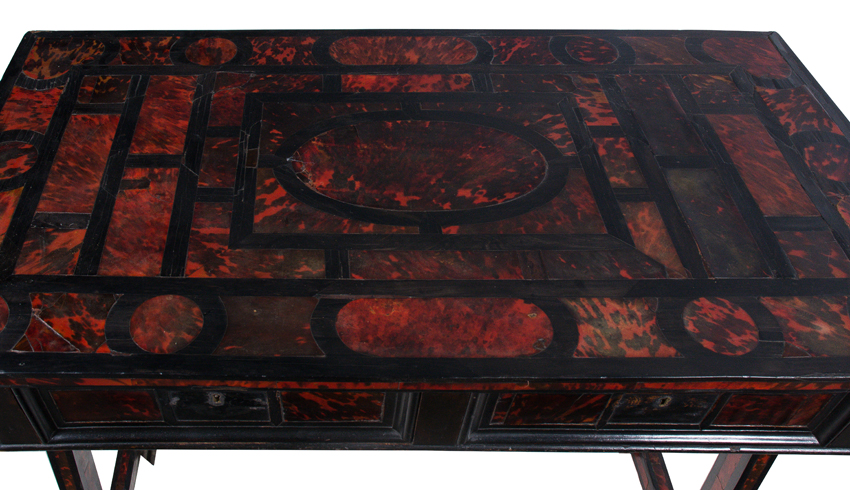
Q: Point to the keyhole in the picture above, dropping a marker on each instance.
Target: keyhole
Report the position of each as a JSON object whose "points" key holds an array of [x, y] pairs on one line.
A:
{"points": [[664, 401], [215, 399]]}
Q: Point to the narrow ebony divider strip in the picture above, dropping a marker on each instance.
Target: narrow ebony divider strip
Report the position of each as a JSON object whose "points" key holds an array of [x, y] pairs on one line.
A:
{"points": [[31, 193], [675, 223], [606, 131], [331, 83], [796, 223], [482, 82], [98, 108], [242, 221], [16, 65], [600, 186], [336, 264], [61, 221], [177, 243], [684, 161], [153, 161], [92, 247]]}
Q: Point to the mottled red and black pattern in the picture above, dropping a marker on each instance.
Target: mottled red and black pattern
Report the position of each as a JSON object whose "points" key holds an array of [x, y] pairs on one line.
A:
{"points": [[592, 50], [106, 406], [660, 50], [721, 326], [77, 170], [268, 326], [210, 256], [282, 50], [829, 160], [103, 89], [444, 264], [600, 264], [650, 236], [651, 471], [231, 88], [820, 326], [282, 120], [592, 103], [218, 163], [610, 327], [29, 109], [78, 318], [660, 116], [419, 165], [332, 406], [521, 50], [459, 82], [275, 211], [726, 244], [211, 51], [40, 337], [50, 58], [146, 50], [16, 158], [555, 409], [572, 211], [444, 327], [543, 117], [523, 82], [814, 253], [757, 55], [8, 203], [4, 314], [164, 118], [769, 410], [619, 162], [762, 166], [798, 110], [402, 50], [166, 324], [136, 236], [713, 89], [49, 251], [842, 203]]}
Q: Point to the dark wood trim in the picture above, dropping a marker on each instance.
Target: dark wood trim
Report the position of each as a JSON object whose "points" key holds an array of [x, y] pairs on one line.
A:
{"points": [[737, 471], [652, 471]]}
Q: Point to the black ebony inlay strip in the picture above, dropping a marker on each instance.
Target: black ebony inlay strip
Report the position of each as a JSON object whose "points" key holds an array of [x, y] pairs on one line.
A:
{"points": [[600, 186], [242, 222], [336, 264], [98, 108], [796, 223], [675, 223], [93, 243], [31, 193], [606, 131], [153, 161], [726, 109], [331, 84], [61, 221], [482, 82], [177, 243]]}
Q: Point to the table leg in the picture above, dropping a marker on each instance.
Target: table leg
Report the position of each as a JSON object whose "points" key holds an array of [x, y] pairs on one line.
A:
{"points": [[652, 471], [738, 471], [74, 470]]}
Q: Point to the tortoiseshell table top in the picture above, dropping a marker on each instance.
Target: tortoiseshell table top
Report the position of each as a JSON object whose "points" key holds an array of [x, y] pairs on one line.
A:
{"points": [[578, 231]]}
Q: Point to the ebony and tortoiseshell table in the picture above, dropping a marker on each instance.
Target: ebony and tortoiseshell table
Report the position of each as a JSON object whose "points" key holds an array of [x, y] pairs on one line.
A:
{"points": [[616, 241]]}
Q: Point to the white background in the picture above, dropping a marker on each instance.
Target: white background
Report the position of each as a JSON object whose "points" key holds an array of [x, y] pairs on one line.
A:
{"points": [[814, 30]]}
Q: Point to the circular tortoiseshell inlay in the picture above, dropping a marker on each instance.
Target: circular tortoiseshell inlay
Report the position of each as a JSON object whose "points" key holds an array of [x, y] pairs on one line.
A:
{"points": [[419, 165], [211, 51], [50, 58], [4, 314], [16, 158], [721, 326], [592, 50], [166, 324]]}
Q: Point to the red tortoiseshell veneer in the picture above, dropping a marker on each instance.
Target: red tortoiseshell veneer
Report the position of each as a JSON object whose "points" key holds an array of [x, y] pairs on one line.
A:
{"points": [[435, 239]]}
